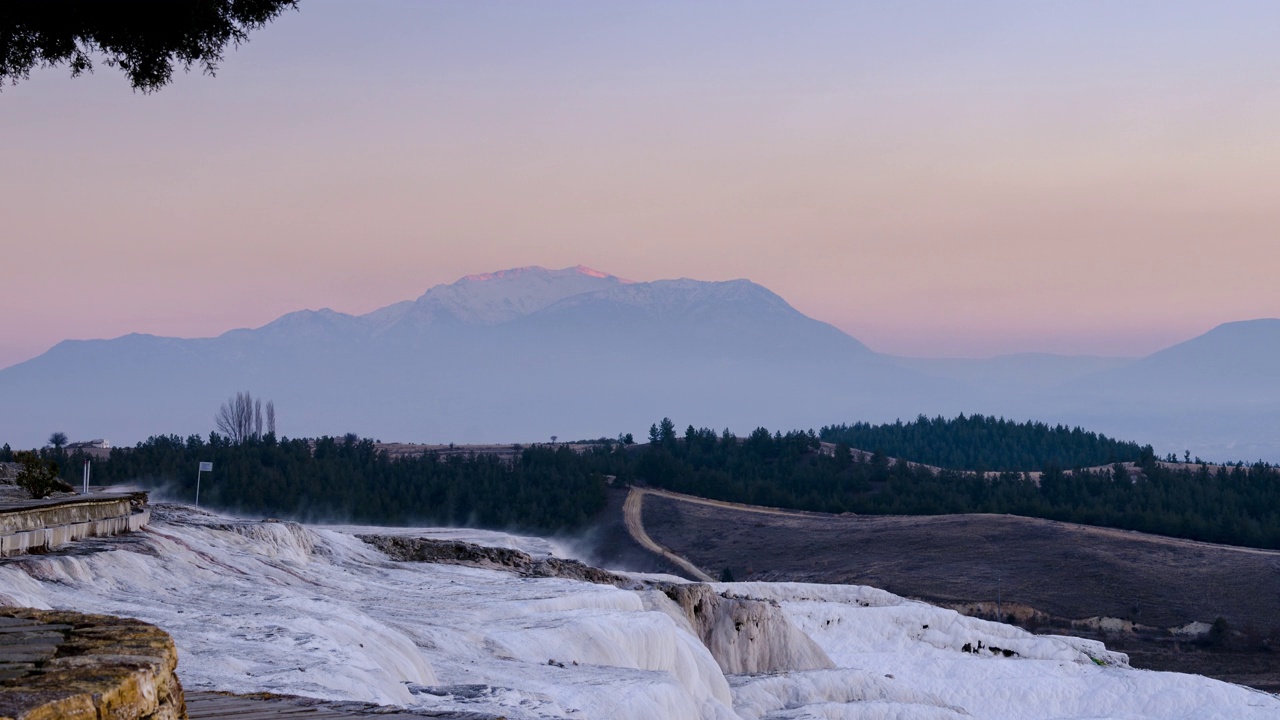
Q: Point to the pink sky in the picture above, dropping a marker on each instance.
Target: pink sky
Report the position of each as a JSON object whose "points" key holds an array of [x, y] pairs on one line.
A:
{"points": [[970, 182]]}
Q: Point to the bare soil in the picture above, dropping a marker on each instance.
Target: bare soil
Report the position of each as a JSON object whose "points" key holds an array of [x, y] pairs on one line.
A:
{"points": [[1048, 576], [609, 545]]}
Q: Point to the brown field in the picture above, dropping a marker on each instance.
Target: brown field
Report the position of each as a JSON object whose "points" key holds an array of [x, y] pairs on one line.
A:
{"points": [[1049, 576]]}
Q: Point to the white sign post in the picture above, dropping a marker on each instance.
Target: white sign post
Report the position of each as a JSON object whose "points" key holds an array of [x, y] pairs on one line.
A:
{"points": [[204, 468], [86, 478]]}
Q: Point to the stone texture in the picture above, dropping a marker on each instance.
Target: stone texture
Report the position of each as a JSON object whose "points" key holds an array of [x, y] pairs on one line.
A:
{"points": [[100, 668], [745, 635], [454, 552]]}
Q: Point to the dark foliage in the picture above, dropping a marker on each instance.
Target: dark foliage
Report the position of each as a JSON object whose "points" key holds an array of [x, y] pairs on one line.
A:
{"points": [[555, 488], [38, 475], [1238, 505], [985, 443], [144, 38], [1220, 633], [347, 479]]}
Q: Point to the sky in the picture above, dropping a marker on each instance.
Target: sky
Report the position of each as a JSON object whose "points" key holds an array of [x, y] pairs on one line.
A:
{"points": [[934, 178]]}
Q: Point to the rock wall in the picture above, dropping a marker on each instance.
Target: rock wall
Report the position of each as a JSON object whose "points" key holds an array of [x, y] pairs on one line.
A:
{"points": [[67, 666], [454, 552], [746, 635], [50, 524]]}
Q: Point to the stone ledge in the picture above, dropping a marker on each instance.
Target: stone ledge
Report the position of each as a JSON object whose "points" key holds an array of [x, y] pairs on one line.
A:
{"points": [[45, 525], [70, 666]]}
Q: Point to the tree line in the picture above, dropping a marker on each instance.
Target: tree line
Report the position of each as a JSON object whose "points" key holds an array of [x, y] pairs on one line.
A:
{"points": [[1235, 504], [348, 480], [980, 442], [548, 488]]}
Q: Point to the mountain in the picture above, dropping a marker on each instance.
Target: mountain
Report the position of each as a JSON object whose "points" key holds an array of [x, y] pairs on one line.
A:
{"points": [[1217, 395], [523, 354], [492, 298], [516, 355], [1233, 365]]}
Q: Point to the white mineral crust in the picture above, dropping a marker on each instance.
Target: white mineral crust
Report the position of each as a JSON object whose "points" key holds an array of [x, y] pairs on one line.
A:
{"points": [[284, 608]]}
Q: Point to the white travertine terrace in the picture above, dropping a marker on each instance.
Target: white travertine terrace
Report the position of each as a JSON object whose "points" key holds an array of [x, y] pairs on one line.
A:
{"points": [[286, 608]]}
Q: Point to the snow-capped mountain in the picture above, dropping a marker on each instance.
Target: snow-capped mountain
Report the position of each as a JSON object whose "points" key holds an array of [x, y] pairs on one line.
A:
{"points": [[498, 297], [515, 355], [522, 354]]}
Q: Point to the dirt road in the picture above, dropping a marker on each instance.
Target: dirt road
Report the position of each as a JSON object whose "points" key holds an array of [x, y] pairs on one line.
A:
{"points": [[633, 516]]}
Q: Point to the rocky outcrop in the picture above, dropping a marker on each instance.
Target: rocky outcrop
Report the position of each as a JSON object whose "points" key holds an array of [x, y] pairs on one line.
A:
{"points": [[454, 552], [743, 635], [746, 635], [64, 665]]}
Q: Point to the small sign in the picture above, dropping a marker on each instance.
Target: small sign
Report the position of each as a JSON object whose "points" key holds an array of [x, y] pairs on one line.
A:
{"points": [[206, 467]]}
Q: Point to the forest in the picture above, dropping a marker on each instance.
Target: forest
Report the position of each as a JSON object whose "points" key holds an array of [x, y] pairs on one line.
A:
{"points": [[552, 488], [348, 480], [980, 443], [1237, 505]]}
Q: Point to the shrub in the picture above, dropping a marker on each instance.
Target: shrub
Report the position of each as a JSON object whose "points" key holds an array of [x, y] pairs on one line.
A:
{"points": [[1220, 633], [38, 476]]}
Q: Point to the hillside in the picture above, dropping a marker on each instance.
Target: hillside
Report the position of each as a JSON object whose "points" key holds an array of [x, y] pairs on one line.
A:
{"points": [[987, 443], [1046, 575], [562, 487]]}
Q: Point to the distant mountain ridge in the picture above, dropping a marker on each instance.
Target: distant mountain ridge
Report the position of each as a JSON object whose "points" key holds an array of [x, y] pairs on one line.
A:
{"points": [[509, 356], [522, 354], [1233, 363], [484, 299], [502, 296]]}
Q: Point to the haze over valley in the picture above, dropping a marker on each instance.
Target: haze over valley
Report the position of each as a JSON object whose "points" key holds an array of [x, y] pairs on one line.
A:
{"points": [[520, 355]]}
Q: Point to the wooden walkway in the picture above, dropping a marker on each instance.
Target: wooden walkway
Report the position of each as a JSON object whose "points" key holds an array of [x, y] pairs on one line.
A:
{"points": [[219, 706]]}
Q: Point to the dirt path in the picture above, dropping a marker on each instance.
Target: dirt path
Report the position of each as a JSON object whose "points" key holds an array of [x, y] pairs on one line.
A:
{"points": [[632, 512], [1116, 533], [725, 504]]}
